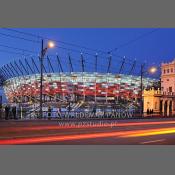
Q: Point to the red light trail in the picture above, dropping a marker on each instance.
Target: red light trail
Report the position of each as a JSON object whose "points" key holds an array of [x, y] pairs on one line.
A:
{"points": [[120, 134], [72, 125]]}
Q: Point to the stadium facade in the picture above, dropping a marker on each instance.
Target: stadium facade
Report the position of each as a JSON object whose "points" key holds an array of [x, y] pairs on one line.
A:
{"points": [[21, 84]]}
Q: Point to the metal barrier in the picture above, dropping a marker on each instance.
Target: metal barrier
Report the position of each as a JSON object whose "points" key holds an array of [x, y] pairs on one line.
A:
{"points": [[88, 115], [24, 114]]}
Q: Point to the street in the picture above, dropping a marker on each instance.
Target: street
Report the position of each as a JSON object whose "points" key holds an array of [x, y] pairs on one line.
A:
{"points": [[89, 132]]}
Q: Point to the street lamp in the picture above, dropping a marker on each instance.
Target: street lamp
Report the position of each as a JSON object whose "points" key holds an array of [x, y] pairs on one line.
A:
{"points": [[151, 70], [50, 44]]}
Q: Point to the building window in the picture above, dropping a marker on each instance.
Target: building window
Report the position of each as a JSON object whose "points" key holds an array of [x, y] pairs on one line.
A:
{"points": [[171, 69], [164, 71], [170, 89], [167, 70], [167, 80], [155, 105]]}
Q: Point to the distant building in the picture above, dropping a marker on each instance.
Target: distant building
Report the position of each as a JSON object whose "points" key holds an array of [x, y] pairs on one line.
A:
{"points": [[152, 100], [168, 78], [168, 88], [162, 101]]}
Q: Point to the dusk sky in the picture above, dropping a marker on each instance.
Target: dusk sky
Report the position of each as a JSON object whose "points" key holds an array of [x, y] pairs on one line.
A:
{"points": [[154, 47]]}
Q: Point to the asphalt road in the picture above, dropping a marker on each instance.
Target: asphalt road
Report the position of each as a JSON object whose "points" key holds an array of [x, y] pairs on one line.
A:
{"points": [[92, 132]]}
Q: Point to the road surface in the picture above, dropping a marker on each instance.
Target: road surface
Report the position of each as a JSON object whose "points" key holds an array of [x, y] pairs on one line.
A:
{"points": [[91, 132]]}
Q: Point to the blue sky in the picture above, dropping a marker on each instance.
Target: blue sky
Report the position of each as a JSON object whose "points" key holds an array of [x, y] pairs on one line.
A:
{"points": [[154, 48], [158, 45]]}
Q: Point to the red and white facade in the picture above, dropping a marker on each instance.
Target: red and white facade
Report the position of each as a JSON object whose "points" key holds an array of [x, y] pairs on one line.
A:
{"points": [[90, 86]]}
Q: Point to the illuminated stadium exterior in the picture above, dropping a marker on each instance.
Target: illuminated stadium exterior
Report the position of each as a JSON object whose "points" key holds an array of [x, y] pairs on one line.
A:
{"points": [[82, 89], [75, 86]]}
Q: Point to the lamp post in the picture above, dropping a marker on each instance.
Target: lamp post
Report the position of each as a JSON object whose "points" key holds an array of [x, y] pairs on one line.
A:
{"points": [[50, 44], [141, 87], [151, 70]]}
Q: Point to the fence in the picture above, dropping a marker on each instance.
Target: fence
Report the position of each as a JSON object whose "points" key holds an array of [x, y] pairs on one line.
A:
{"points": [[66, 115]]}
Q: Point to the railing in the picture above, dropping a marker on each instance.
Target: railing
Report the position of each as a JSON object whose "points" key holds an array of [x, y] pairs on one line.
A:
{"points": [[71, 115], [75, 106], [81, 115], [168, 93]]}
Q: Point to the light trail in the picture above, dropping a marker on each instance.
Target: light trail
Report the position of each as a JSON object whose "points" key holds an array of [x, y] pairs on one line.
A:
{"points": [[119, 134], [86, 125], [56, 138], [150, 132]]}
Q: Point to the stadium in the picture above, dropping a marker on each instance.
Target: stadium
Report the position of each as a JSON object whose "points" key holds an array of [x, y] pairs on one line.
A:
{"points": [[76, 90]]}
